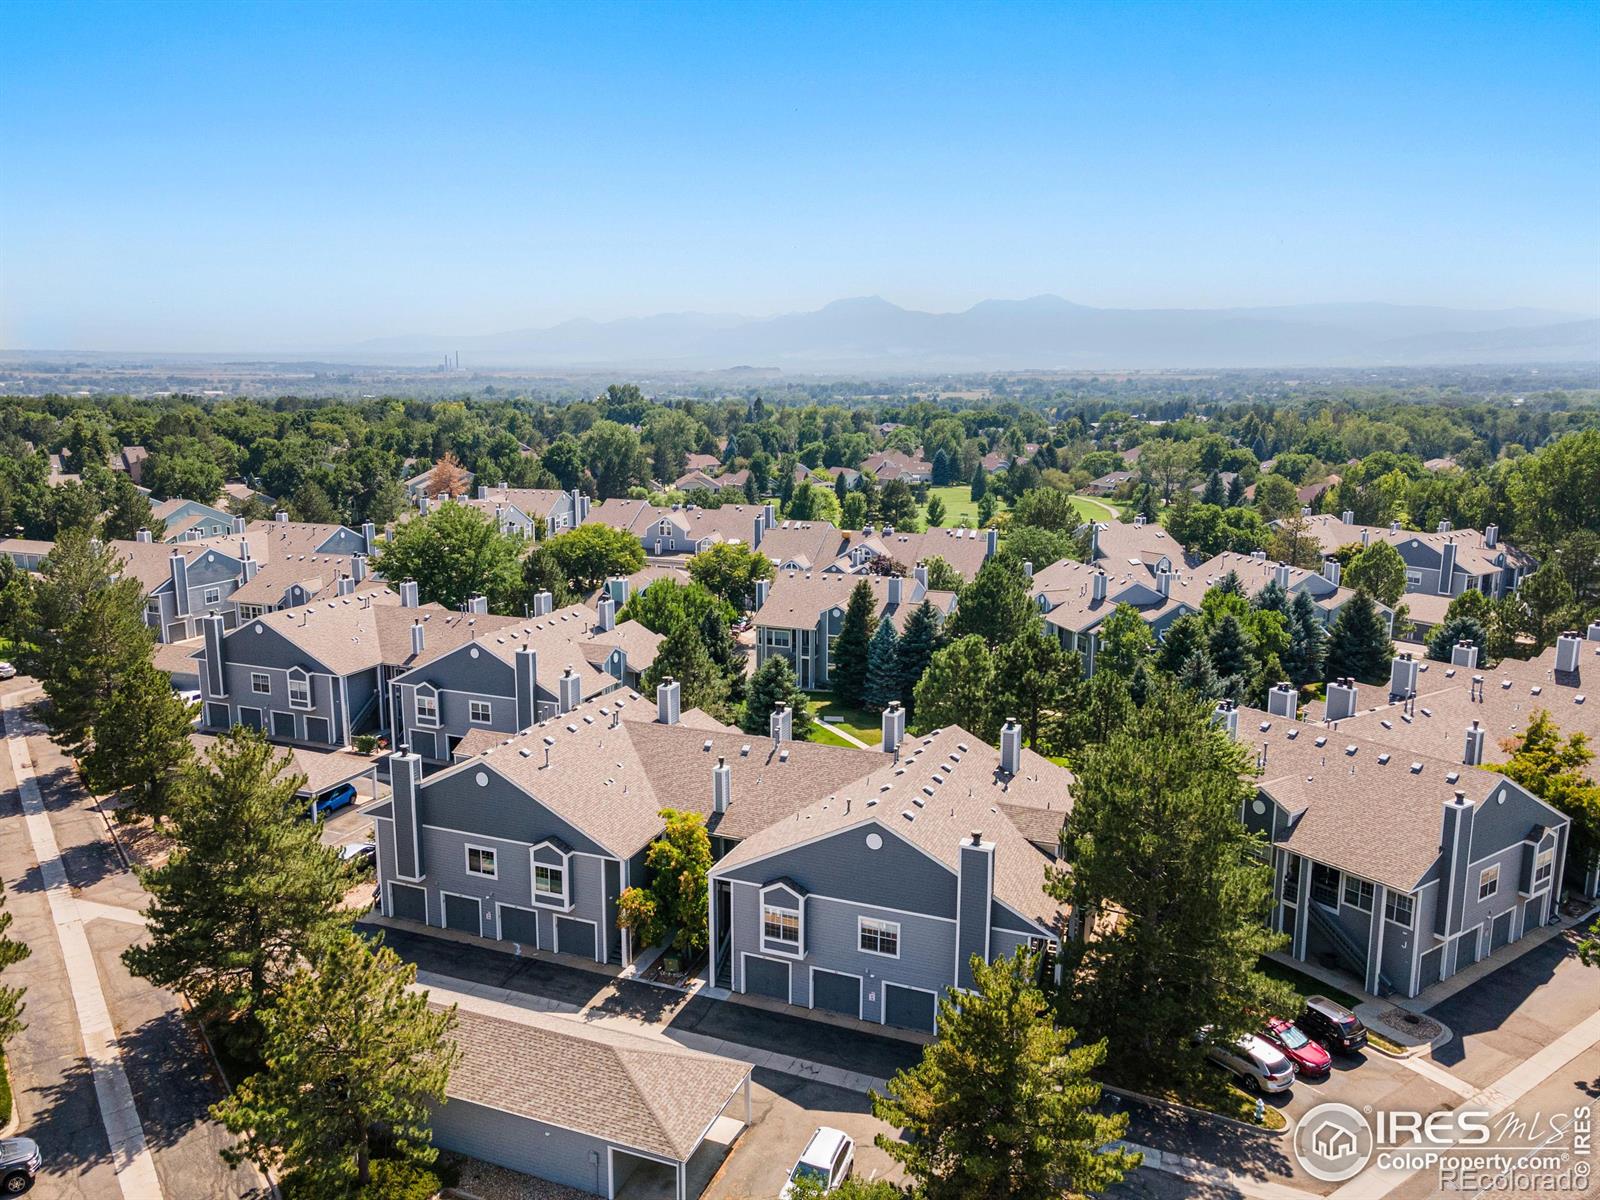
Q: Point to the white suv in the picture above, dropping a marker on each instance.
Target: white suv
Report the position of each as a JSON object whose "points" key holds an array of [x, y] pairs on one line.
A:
{"points": [[828, 1159], [1260, 1065]]}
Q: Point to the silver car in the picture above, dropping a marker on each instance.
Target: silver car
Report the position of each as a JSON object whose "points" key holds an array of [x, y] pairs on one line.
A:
{"points": [[1259, 1065]]}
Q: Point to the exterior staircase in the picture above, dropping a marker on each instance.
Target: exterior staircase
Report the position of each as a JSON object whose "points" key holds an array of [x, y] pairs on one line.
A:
{"points": [[1350, 955]]}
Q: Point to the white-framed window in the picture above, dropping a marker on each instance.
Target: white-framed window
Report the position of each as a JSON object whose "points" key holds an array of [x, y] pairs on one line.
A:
{"points": [[480, 712], [261, 683], [299, 689], [878, 937], [212, 595], [1325, 885], [664, 529], [1358, 893], [1544, 866], [779, 639], [152, 612], [1398, 908], [480, 861], [1413, 578], [549, 880], [427, 701], [781, 925], [1488, 881]]}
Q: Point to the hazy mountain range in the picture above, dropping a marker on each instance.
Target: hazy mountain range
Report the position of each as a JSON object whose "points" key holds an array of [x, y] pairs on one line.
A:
{"points": [[1042, 333]]}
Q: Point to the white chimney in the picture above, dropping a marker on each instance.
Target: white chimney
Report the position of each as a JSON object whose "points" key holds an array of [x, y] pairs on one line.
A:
{"points": [[1099, 591], [408, 593], [606, 614], [667, 693], [142, 535], [1011, 747], [894, 591], [1491, 536], [920, 574], [417, 638], [569, 690], [781, 724], [1027, 570], [1341, 699], [1568, 646], [1281, 575], [1332, 571], [1348, 517], [1403, 676], [1227, 715], [1164, 583], [721, 785], [894, 727], [1464, 654], [281, 517], [1473, 756], [238, 525], [1283, 701]]}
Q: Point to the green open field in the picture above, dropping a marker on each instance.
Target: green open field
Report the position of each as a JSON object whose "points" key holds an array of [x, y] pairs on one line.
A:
{"points": [[865, 726], [959, 506]]}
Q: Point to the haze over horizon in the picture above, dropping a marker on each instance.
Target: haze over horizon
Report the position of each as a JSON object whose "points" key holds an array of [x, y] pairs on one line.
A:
{"points": [[289, 178]]}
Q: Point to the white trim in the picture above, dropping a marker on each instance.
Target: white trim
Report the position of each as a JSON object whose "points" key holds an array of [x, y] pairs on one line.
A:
{"points": [[499, 927], [494, 858], [861, 827], [444, 911], [861, 920], [258, 675], [883, 1003], [811, 985], [860, 904], [261, 716], [389, 896], [788, 966], [779, 946], [420, 720], [310, 700], [1484, 877], [486, 719]]}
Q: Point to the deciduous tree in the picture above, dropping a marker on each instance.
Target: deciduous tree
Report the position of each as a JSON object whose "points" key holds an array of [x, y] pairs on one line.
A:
{"points": [[453, 554], [590, 554], [731, 571], [958, 689]]}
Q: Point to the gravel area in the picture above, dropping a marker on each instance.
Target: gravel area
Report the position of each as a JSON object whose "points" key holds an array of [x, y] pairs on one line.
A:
{"points": [[484, 1181], [1412, 1028]]}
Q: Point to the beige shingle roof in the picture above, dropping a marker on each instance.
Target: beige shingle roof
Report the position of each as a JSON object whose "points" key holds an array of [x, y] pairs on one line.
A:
{"points": [[642, 1092], [1473, 555], [795, 599], [1068, 588], [964, 549]]}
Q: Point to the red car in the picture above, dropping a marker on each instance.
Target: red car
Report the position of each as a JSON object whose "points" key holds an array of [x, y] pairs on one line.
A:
{"points": [[1308, 1057]]}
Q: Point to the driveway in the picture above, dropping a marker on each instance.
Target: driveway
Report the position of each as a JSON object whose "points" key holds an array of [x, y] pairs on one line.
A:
{"points": [[1514, 1012]]}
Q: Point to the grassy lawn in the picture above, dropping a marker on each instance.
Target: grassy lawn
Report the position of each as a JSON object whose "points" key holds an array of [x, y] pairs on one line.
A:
{"points": [[866, 726], [959, 506], [1091, 509], [821, 733], [1304, 984]]}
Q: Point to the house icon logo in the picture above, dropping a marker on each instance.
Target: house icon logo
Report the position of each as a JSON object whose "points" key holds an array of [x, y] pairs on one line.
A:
{"points": [[1333, 1142]]}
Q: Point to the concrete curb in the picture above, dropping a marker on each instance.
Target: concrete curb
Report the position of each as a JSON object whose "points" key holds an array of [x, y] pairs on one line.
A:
{"points": [[1202, 1112]]}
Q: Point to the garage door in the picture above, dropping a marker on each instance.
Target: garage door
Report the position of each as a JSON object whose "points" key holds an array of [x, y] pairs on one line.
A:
{"points": [[423, 744], [1500, 931], [461, 913], [317, 730], [519, 925], [833, 992], [908, 1008], [283, 725], [574, 937], [765, 977], [408, 903], [1430, 966], [250, 718]]}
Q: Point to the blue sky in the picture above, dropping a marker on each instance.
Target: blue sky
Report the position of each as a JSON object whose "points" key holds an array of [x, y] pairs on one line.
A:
{"points": [[283, 176]]}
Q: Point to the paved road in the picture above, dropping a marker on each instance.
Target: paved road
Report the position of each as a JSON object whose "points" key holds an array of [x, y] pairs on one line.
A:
{"points": [[167, 1069]]}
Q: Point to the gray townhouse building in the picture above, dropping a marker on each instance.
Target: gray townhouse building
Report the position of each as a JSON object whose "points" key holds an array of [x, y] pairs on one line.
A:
{"points": [[799, 614], [1075, 598], [531, 840], [189, 520], [1399, 867]]}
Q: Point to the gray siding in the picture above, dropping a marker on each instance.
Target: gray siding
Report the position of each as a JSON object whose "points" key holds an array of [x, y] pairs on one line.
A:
{"points": [[497, 809], [927, 951], [574, 1159], [897, 876]]}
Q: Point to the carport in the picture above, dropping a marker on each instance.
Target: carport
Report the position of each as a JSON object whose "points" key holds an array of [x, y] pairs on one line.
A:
{"points": [[324, 769], [592, 1106]]}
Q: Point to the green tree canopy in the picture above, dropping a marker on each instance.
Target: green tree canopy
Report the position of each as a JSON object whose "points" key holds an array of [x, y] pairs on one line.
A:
{"points": [[141, 741], [995, 605], [590, 554], [847, 665], [957, 689], [731, 571], [882, 685], [1358, 643], [453, 554], [1380, 572], [774, 681]]}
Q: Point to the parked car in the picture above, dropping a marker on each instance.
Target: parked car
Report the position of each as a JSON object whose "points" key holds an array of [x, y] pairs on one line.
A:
{"points": [[358, 852], [19, 1163], [1259, 1065], [829, 1158], [7, 671], [1332, 1024], [340, 797], [1308, 1057]]}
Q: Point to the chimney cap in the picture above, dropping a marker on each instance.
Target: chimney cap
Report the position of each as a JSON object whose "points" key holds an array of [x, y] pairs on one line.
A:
{"points": [[977, 837]]}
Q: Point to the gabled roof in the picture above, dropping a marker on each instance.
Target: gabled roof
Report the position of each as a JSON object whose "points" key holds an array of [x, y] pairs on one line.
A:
{"points": [[796, 599], [350, 634], [966, 550], [639, 1091], [1256, 573], [534, 502], [1473, 554], [1124, 543], [934, 795], [562, 639], [1067, 588]]}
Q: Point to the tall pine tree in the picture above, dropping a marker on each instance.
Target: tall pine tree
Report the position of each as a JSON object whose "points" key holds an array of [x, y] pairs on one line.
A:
{"points": [[995, 605], [847, 668], [683, 656], [774, 681], [917, 644], [882, 684], [141, 742], [1308, 642], [1358, 643]]}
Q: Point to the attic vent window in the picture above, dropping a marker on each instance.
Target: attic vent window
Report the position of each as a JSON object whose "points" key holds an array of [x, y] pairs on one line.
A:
{"points": [[525, 752], [1450, 674], [884, 787], [927, 791], [549, 741], [572, 729], [1578, 699], [961, 746], [908, 814]]}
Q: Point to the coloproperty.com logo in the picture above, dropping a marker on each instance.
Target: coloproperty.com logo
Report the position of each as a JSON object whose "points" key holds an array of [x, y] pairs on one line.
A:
{"points": [[1467, 1150]]}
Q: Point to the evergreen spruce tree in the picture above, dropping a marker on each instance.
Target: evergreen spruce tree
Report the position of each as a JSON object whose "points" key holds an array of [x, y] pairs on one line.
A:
{"points": [[941, 468], [1458, 629], [683, 656], [882, 684], [351, 1052], [1271, 598], [249, 893], [1032, 678], [958, 689], [847, 669], [841, 489], [1213, 493], [1200, 677], [141, 742], [1184, 636], [1230, 584], [1235, 492], [1147, 504], [936, 512], [1229, 649], [980, 483], [86, 632], [1154, 837], [1003, 1106], [12, 1005], [128, 511], [995, 605], [1308, 642], [774, 681], [915, 650], [1358, 643]]}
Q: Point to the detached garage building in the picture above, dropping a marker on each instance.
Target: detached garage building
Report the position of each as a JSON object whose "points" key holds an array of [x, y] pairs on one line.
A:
{"points": [[582, 1104]]}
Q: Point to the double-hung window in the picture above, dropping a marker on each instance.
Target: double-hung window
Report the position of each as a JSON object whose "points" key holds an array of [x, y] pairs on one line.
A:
{"points": [[480, 861], [480, 712], [1397, 908], [427, 706], [1358, 893], [299, 690], [781, 925], [261, 683], [1488, 881], [1544, 866], [550, 882], [880, 937], [212, 595]]}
